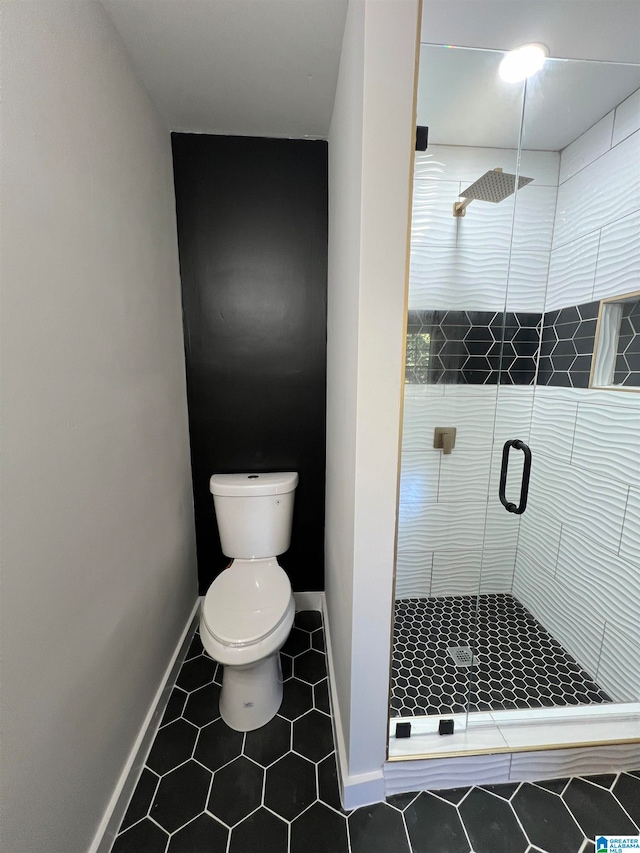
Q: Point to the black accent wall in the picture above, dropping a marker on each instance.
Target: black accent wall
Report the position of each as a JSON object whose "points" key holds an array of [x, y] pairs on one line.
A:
{"points": [[252, 233]]}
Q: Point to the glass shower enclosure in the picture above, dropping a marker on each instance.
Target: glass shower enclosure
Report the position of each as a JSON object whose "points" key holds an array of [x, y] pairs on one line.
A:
{"points": [[518, 553]]}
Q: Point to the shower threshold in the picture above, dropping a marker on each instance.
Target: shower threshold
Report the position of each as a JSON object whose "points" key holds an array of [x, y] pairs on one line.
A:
{"points": [[522, 730]]}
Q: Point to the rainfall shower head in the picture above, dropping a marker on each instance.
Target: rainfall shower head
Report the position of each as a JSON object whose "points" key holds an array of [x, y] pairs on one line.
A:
{"points": [[495, 185]]}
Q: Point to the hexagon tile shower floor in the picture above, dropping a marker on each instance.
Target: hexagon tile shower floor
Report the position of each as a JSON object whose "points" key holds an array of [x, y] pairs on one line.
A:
{"points": [[208, 789], [517, 663]]}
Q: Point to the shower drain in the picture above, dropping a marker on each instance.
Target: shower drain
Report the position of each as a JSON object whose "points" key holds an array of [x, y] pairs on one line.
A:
{"points": [[462, 655]]}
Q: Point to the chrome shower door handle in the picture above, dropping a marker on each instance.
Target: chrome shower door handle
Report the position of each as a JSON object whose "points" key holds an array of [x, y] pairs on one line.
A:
{"points": [[518, 509]]}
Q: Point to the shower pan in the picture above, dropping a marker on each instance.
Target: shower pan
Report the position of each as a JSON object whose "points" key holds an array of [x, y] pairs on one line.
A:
{"points": [[518, 556]]}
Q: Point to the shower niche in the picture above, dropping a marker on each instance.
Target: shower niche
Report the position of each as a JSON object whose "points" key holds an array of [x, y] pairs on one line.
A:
{"points": [[525, 249], [616, 359]]}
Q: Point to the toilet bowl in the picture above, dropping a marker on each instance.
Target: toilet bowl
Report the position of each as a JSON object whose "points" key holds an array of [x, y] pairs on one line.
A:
{"points": [[246, 618], [249, 608]]}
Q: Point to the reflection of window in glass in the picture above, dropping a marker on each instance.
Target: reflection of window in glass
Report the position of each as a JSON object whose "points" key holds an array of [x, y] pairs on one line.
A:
{"points": [[417, 358], [616, 362]]}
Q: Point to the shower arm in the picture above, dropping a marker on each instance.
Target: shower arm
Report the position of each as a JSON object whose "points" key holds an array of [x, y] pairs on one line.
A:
{"points": [[459, 207]]}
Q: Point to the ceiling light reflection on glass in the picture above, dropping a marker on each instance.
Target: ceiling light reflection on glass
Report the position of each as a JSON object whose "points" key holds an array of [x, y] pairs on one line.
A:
{"points": [[523, 62]]}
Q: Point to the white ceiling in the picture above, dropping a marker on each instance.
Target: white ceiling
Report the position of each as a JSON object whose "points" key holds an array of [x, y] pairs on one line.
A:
{"points": [[572, 29], [269, 67], [463, 101], [245, 67]]}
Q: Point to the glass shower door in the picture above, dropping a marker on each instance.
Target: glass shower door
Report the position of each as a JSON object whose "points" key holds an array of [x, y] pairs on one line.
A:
{"points": [[570, 633], [451, 538]]}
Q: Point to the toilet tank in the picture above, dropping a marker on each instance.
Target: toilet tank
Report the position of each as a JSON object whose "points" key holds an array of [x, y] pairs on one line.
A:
{"points": [[254, 513]]}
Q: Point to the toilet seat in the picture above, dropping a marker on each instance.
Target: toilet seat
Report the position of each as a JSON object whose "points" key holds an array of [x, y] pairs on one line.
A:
{"points": [[247, 602]]}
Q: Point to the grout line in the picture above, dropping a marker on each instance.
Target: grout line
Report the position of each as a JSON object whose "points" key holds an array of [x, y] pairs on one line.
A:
{"points": [[624, 520], [406, 831]]}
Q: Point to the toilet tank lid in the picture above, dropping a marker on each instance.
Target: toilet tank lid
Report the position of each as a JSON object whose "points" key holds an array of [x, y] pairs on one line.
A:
{"points": [[246, 485]]}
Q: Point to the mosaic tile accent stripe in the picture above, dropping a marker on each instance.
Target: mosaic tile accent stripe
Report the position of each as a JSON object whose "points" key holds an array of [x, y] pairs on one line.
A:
{"points": [[466, 347], [518, 663], [487, 348], [568, 337]]}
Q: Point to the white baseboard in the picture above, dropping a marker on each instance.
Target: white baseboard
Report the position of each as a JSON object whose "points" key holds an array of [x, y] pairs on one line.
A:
{"points": [[116, 809], [357, 790], [308, 600], [363, 790]]}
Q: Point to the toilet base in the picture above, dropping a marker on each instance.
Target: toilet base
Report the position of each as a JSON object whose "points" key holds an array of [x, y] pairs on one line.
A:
{"points": [[252, 694]]}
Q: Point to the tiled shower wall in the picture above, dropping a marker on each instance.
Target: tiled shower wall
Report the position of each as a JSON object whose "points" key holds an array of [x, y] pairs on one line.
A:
{"points": [[460, 264], [578, 555], [579, 545]]}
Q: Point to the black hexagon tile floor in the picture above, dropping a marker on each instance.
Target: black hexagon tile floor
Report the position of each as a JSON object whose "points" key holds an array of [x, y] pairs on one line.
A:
{"points": [[207, 789], [518, 664]]}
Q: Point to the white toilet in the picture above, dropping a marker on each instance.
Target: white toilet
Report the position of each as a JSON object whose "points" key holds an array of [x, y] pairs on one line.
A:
{"points": [[248, 611]]}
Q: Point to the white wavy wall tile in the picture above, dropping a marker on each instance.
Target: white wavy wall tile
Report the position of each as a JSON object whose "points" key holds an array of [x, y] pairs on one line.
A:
{"points": [[460, 278], [423, 391], [464, 476], [599, 397], [619, 666], [618, 267], [419, 475], [432, 220], [456, 573], [534, 217], [413, 575], [580, 761], [486, 223], [630, 541], [607, 583], [578, 497], [586, 148], [442, 527], [552, 424], [472, 414], [498, 566], [627, 119], [540, 535], [572, 272], [501, 526], [604, 191], [442, 773], [513, 413], [527, 280], [477, 279], [607, 441], [428, 165], [463, 279], [564, 612]]}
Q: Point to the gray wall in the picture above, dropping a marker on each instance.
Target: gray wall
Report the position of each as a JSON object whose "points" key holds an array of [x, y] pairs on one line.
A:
{"points": [[98, 565]]}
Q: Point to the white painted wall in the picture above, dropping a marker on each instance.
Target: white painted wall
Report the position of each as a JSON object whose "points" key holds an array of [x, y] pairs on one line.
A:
{"points": [[98, 565], [370, 146]]}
